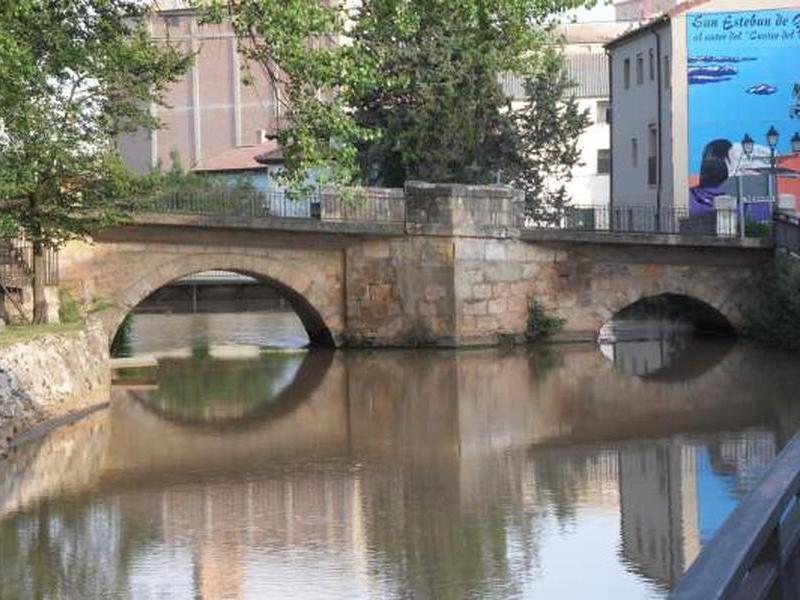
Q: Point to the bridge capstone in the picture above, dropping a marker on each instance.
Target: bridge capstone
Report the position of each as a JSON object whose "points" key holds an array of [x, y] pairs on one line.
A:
{"points": [[456, 271]]}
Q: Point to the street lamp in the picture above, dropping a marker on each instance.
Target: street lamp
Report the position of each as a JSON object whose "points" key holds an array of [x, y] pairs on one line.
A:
{"points": [[772, 137], [772, 142], [748, 144]]}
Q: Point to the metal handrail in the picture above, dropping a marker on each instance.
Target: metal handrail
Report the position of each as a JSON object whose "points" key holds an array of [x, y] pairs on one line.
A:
{"points": [[754, 554], [376, 205], [367, 205], [787, 232], [16, 263]]}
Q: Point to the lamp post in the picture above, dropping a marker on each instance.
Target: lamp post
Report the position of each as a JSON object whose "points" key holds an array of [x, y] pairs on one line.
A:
{"points": [[748, 144], [772, 142]]}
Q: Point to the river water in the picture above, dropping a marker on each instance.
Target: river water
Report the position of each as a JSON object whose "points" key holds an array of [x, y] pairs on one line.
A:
{"points": [[559, 471]]}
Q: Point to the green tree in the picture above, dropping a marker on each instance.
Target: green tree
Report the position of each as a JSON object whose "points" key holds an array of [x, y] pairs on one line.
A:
{"points": [[774, 319], [298, 44], [440, 109], [399, 89], [543, 140], [74, 75]]}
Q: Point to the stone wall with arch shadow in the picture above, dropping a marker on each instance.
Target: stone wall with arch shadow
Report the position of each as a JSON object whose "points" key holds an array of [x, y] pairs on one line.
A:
{"points": [[119, 276]]}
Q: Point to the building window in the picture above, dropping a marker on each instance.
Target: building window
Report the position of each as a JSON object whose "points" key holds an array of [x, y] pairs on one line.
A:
{"points": [[626, 73], [639, 69], [603, 112], [667, 73], [634, 152], [603, 161], [651, 63], [652, 155]]}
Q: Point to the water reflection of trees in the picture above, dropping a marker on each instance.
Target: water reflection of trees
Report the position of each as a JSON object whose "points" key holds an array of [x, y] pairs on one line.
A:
{"points": [[68, 549], [206, 389], [440, 475], [211, 391]]}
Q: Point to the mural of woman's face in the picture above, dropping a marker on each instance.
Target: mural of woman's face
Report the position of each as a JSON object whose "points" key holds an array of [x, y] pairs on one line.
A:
{"points": [[717, 163]]}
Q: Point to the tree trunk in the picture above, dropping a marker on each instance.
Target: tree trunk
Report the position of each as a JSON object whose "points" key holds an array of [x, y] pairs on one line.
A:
{"points": [[39, 301]]}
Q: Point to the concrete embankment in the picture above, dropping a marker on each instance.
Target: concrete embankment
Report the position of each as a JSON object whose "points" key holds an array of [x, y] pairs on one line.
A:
{"points": [[50, 376]]}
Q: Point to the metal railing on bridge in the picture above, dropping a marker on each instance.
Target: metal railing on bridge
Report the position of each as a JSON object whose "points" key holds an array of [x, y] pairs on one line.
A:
{"points": [[787, 232], [367, 205], [16, 263], [648, 219], [756, 552], [388, 205]]}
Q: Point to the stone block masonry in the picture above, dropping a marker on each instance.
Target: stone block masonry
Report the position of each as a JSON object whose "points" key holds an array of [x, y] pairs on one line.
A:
{"points": [[50, 376], [456, 270]]}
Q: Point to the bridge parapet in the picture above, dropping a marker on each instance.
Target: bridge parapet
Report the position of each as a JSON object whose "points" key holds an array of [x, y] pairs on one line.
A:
{"points": [[455, 270], [466, 210]]}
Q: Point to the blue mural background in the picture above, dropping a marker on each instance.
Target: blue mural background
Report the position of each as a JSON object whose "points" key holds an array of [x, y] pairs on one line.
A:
{"points": [[744, 76]]}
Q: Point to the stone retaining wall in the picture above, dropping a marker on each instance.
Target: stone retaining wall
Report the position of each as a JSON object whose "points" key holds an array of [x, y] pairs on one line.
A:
{"points": [[50, 376]]}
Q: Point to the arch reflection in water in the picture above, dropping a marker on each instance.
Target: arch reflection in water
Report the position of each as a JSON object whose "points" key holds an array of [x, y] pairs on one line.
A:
{"points": [[420, 474], [214, 392]]}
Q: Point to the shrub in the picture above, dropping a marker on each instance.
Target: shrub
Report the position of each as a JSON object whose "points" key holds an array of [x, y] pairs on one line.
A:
{"points": [[69, 309], [754, 229], [774, 319], [541, 324]]}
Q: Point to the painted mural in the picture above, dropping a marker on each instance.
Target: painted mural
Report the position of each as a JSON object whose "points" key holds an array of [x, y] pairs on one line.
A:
{"points": [[744, 77]]}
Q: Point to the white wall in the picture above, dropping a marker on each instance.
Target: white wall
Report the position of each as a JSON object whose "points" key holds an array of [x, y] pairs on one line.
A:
{"points": [[635, 110], [587, 185]]}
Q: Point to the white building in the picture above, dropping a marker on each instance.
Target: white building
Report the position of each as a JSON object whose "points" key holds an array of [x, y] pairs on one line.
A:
{"points": [[587, 65]]}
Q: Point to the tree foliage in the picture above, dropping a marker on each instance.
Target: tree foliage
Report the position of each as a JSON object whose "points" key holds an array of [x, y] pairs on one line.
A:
{"points": [[543, 136], [74, 74], [775, 318], [440, 108], [299, 45], [400, 89]]}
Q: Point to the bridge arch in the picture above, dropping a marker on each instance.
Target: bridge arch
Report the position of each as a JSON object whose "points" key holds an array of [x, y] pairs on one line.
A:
{"points": [[309, 293], [713, 308], [703, 315]]}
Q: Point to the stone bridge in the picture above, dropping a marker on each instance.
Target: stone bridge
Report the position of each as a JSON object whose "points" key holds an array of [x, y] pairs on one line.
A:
{"points": [[456, 270]]}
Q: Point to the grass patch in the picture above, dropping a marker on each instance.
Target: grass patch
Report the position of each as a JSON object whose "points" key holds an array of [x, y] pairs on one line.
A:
{"points": [[69, 310], [14, 334]]}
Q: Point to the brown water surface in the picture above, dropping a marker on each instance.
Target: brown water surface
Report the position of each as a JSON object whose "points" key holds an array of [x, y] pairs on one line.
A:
{"points": [[566, 471]]}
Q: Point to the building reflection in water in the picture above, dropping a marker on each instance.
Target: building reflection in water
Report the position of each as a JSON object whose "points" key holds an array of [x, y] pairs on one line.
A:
{"points": [[483, 473]]}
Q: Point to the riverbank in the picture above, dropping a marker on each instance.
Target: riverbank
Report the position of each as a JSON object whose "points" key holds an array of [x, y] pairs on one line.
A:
{"points": [[50, 374]]}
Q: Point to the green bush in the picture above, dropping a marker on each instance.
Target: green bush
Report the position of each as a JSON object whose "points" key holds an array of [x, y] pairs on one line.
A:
{"points": [[69, 309], [774, 319], [541, 324], [754, 229]]}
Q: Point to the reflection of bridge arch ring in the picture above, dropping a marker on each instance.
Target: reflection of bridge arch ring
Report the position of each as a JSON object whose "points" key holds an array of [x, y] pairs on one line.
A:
{"points": [[308, 378], [286, 282]]}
